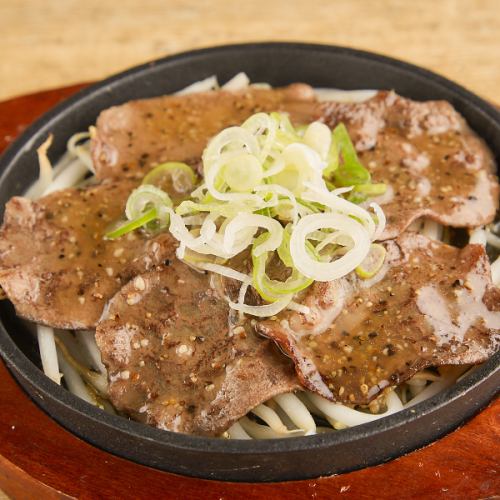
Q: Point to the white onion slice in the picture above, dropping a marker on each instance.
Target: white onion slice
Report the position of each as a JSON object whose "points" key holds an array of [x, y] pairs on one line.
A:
{"points": [[223, 271], [381, 220], [318, 136], [432, 229], [243, 221], [492, 239], [270, 417], [495, 272], [351, 417], [82, 151], [297, 412], [328, 271], [280, 190], [236, 431], [258, 125], [74, 173], [262, 311], [478, 236], [232, 139], [338, 204]]}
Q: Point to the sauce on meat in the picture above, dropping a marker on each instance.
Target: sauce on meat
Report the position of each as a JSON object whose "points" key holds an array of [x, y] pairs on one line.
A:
{"points": [[176, 356], [177, 361], [55, 264], [430, 305], [432, 162], [135, 136]]}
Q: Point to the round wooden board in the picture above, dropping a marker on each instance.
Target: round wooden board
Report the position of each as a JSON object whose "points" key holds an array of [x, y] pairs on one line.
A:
{"points": [[40, 458]]}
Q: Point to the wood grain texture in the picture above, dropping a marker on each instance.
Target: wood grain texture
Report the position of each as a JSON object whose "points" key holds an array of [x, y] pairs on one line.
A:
{"points": [[38, 458], [51, 43]]}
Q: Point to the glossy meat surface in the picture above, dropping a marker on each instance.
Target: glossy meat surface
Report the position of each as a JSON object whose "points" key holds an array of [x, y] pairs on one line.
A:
{"points": [[55, 264], [431, 304], [176, 360]]}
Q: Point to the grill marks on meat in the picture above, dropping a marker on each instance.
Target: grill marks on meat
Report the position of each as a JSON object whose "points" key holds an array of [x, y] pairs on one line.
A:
{"points": [[430, 305], [433, 164], [173, 361], [135, 136], [55, 265]]}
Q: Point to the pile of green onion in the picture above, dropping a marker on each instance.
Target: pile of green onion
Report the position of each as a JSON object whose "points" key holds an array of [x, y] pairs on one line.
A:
{"points": [[297, 194]]}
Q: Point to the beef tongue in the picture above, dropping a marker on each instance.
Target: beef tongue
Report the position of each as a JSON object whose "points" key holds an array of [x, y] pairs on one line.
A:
{"points": [[433, 164], [430, 305], [55, 264], [133, 137], [176, 362]]}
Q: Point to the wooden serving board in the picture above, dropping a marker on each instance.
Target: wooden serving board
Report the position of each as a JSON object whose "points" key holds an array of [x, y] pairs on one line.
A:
{"points": [[38, 458]]}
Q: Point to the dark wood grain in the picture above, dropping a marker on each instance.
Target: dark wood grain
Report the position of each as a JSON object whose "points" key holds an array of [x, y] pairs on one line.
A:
{"points": [[38, 458]]}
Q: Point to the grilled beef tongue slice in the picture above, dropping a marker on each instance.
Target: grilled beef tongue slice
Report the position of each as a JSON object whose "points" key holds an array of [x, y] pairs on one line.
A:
{"points": [[175, 361], [133, 137], [434, 165], [55, 265], [431, 304]]}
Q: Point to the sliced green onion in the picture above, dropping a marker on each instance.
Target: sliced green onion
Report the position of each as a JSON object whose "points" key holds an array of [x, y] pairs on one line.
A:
{"points": [[228, 141], [328, 271], [373, 262], [264, 127], [332, 160], [221, 209], [286, 133], [132, 225], [313, 207], [330, 185], [360, 193], [242, 173], [319, 137], [302, 164], [177, 175], [284, 248], [246, 221], [283, 197], [273, 290], [371, 189], [350, 172], [257, 177], [338, 204], [145, 197]]}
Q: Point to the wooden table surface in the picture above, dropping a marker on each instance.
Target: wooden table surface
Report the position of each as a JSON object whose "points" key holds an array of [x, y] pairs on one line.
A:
{"points": [[51, 43]]}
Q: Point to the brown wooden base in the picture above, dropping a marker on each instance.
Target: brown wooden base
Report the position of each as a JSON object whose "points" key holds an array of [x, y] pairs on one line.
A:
{"points": [[38, 458]]}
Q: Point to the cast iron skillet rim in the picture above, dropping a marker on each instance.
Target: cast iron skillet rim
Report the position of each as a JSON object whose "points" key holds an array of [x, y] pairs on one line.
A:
{"points": [[16, 359]]}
